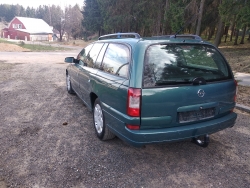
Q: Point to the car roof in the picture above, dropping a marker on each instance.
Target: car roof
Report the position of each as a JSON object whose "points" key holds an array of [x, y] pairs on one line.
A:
{"points": [[134, 38]]}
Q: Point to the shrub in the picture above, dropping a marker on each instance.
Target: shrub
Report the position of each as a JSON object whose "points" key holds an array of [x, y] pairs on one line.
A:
{"points": [[21, 43]]}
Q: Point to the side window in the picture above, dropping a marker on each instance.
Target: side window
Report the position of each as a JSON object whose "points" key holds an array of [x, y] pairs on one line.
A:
{"points": [[92, 56], [83, 54], [116, 60], [100, 56]]}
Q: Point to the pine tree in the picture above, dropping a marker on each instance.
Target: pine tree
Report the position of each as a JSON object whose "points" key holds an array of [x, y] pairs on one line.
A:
{"points": [[93, 20]]}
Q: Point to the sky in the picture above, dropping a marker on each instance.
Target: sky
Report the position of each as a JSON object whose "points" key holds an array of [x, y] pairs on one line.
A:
{"points": [[36, 3]]}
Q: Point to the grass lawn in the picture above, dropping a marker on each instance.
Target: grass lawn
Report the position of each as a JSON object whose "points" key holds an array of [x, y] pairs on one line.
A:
{"points": [[80, 43], [37, 48]]}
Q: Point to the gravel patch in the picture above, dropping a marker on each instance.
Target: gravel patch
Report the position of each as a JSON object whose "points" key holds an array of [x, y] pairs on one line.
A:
{"points": [[48, 140]]}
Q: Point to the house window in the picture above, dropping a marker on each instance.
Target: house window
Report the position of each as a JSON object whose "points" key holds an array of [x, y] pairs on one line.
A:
{"points": [[17, 26]]}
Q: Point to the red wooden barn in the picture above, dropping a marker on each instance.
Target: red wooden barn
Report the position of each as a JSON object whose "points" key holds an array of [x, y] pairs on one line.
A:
{"points": [[29, 29]]}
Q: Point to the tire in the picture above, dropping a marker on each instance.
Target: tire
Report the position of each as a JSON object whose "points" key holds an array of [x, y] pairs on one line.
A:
{"points": [[102, 131], [68, 84]]}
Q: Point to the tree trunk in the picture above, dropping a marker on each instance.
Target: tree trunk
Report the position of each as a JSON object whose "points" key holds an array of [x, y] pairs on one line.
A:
{"points": [[236, 37], [205, 33], [198, 28], [232, 29], [158, 23], [164, 29], [211, 32], [226, 33], [243, 34], [219, 33]]}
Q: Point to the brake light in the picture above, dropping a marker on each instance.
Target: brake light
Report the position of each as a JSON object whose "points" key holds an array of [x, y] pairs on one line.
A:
{"points": [[134, 102]]}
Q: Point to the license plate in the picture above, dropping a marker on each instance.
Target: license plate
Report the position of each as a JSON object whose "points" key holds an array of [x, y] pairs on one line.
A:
{"points": [[190, 116]]}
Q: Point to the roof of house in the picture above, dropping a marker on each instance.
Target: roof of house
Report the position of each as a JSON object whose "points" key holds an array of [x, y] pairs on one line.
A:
{"points": [[34, 25], [2, 25]]}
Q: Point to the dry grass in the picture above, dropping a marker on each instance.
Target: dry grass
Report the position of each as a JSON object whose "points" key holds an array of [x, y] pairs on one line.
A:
{"points": [[80, 43], [21, 46], [5, 47]]}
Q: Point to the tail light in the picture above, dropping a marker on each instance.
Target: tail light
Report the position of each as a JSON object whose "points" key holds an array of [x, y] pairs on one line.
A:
{"points": [[133, 127], [134, 102]]}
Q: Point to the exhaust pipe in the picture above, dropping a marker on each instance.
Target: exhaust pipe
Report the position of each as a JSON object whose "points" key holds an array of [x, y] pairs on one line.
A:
{"points": [[201, 142]]}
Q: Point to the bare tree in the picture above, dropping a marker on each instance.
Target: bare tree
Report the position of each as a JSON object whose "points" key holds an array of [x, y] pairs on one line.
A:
{"points": [[198, 28], [165, 17], [58, 20], [232, 28], [218, 36], [219, 33], [191, 15], [73, 19], [243, 34]]}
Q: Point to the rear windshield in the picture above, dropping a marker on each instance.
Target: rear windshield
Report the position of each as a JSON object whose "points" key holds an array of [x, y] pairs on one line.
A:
{"points": [[172, 64]]}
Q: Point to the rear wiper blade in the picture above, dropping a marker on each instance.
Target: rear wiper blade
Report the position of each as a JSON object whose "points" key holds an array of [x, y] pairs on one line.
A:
{"points": [[171, 82]]}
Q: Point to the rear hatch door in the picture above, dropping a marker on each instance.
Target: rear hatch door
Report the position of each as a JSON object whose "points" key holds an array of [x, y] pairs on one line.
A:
{"points": [[183, 84]]}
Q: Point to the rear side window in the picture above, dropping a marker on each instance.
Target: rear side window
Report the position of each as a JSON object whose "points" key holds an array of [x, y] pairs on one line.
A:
{"points": [[116, 60], [181, 63], [100, 56], [83, 54], [92, 56]]}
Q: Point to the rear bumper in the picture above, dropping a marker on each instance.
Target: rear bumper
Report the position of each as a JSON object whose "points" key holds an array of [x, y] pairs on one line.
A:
{"points": [[142, 137]]}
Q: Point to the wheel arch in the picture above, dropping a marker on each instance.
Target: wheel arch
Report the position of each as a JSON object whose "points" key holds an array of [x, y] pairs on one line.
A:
{"points": [[93, 97]]}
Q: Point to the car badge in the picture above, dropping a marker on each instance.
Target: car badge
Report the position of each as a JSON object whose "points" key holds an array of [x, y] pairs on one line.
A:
{"points": [[201, 93]]}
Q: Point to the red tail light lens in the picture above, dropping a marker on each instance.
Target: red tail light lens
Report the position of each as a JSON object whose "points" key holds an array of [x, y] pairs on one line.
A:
{"points": [[134, 102], [133, 127]]}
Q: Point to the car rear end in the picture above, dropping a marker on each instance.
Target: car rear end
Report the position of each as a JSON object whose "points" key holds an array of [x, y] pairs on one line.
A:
{"points": [[178, 90]]}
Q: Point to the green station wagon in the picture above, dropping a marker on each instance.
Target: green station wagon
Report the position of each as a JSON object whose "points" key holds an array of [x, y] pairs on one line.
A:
{"points": [[153, 90]]}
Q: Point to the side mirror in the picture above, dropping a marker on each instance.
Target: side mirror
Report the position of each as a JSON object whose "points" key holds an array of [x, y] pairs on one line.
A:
{"points": [[69, 60]]}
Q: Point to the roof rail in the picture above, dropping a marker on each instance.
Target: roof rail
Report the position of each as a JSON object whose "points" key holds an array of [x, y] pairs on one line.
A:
{"points": [[120, 35], [183, 36], [196, 37]]}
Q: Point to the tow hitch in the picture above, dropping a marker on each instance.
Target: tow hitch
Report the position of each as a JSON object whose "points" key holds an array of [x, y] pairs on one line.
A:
{"points": [[201, 141]]}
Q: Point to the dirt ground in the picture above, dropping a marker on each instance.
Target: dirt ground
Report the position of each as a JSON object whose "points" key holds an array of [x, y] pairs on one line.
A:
{"points": [[47, 139], [11, 48], [239, 59], [238, 56], [243, 95]]}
